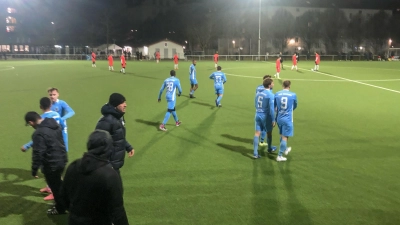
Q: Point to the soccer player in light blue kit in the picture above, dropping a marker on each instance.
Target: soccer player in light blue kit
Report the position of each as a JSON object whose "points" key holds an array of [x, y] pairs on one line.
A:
{"points": [[219, 81], [45, 105], [171, 84], [261, 88], [63, 109], [193, 80], [286, 103], [265, 113]]}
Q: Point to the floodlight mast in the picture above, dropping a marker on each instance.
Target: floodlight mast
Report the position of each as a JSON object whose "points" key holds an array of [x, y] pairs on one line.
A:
{"points": [[259, 29]]}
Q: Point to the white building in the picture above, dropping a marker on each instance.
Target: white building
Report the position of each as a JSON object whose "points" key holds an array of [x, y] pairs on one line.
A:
{"points": [[167, 49]]}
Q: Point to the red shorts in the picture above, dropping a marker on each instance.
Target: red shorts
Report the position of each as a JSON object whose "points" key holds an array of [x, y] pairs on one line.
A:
{"points": [[278, 69]]}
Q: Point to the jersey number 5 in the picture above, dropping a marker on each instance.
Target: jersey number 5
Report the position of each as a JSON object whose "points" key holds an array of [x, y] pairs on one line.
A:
{"points": [[260, 101]]}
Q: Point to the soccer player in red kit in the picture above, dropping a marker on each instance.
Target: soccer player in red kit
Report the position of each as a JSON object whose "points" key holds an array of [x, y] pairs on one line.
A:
{"points": [[110, 62], [216, 59], [278, 67], [176, 59], [317, 60], [158, 56], [93, 59], [294, 60], [123, 63]]}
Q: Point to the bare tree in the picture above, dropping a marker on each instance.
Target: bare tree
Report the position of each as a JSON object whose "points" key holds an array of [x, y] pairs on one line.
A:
{"points": [[378, 32], [308, 28], [334, 22], [356, 30], [282, 28]]}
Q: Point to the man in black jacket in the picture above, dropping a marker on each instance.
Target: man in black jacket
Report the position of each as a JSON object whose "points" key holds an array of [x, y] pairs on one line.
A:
{"points": [[92, 189], [49, 154], [113, 122]]}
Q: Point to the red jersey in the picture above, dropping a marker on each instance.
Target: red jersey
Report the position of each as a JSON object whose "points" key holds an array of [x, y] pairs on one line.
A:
{"points": [[278, 65], [123, 62], [158, 55], [176, 58], [110, 60], [294, 60], [317, 58], [216, 57], [93, 56]]}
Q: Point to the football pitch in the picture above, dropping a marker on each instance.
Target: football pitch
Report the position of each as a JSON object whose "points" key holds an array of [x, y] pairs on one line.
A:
{"points": [[343, 167]]}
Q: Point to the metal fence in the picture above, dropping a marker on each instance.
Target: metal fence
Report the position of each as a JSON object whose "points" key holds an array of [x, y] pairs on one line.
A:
{"points": [[284, 57], [192, 57]]}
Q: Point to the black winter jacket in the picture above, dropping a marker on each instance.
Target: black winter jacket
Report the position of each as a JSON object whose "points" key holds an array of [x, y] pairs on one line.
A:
{"points": [[92, 192], [48, 147], [113, 122]]}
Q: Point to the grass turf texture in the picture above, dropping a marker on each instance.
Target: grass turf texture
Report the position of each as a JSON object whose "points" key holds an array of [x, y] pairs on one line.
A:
{"points": [[343, 168]]}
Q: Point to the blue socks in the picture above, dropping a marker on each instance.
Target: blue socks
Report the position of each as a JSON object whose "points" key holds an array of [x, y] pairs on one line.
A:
{"points": [[219, 99], [255, 145], [166, 118], [282, 148], [175, 116]]}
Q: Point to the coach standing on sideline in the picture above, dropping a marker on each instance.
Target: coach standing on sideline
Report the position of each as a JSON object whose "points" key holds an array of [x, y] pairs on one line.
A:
{"points": [[113, 122], [92, 189]]}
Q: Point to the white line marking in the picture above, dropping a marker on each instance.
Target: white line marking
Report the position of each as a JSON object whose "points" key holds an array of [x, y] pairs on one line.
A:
{"points": [[355, 81], [8, 68], [389, 80]]}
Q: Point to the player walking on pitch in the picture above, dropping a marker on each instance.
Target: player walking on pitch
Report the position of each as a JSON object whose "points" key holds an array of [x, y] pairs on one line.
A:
{"points": [[62, 108], [110, 62], [219, 81], [171, 84], [286, 103], [294, 61], [278, 67], [264, 134], [216, 60], [123, 64], [193, 81], [158, 56], [93, 59], [176, 60], [317, 60], [265, 113]]}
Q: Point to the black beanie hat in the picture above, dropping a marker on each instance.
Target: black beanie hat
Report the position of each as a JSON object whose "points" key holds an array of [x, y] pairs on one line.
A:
{"points": [[116, 99]]}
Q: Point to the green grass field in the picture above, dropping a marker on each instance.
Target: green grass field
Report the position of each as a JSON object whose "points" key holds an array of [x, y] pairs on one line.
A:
{"points": [[343, 168]]}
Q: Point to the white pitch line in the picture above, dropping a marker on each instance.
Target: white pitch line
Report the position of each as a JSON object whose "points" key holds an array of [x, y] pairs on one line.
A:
{"points": [[355, 81], [9, 68], [235, 75]]}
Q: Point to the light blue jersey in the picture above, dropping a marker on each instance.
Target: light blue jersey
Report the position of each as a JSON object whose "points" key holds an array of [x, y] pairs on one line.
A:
{"points": [[54, 115], [286, 103], [62, 108], [261, 88], [264, 103], [219, 79], [192, 72], [171, 84]]}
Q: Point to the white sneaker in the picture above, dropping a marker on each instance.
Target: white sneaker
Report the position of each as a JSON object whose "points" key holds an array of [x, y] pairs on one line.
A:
{"points": [[281, 159], [275, 75], [288, 149]]}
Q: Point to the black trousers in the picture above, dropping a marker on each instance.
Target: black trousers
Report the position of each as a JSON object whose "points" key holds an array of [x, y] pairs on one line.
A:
{"points": [[53, 179]]}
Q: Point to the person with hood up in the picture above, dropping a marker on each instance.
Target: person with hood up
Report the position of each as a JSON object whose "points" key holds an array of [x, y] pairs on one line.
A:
{"points": [[92, 189], [113, 122]]}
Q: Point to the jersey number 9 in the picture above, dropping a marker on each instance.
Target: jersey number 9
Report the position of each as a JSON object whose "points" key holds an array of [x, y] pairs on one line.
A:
{"points": [[284, 101]]}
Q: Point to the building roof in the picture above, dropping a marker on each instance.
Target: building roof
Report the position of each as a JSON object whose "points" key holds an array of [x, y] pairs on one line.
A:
{"points": [[163, 40]]}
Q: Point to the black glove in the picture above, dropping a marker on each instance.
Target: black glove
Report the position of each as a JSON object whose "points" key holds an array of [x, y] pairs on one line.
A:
{"points": [[34, 173]]}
